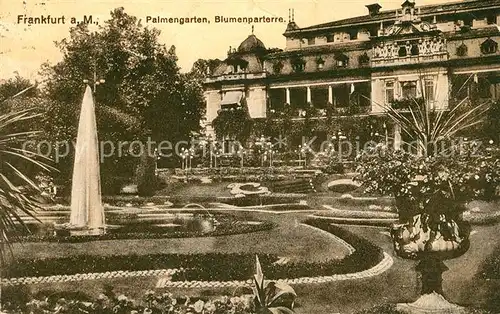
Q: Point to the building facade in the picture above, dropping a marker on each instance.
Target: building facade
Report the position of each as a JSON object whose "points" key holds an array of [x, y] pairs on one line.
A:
{"points": [[357, 66]]}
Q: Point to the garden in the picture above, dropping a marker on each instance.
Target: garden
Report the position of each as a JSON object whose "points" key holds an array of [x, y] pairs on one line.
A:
{"points": [[273, 227]]}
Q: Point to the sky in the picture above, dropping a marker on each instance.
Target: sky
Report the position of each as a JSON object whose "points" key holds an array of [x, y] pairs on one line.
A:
{"points": [[24, 47]]}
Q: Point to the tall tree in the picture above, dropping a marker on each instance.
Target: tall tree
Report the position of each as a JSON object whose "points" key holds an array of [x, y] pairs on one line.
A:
{"points": [[144, 94]]}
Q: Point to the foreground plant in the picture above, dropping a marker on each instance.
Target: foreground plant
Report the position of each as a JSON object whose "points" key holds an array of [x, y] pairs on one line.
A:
{"points": [[268, 298], [18, 168], [271, 297]]}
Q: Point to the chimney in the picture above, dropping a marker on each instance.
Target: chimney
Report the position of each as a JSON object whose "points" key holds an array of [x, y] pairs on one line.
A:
{"points": [[374, 9]]}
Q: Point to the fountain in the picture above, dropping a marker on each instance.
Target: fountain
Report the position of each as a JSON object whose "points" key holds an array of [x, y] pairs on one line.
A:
{"points": [[87, 211]]}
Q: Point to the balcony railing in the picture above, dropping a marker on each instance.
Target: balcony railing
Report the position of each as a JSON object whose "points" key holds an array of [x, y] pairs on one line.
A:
{"points": [[438, 56], [235, 76], [317, 113]]}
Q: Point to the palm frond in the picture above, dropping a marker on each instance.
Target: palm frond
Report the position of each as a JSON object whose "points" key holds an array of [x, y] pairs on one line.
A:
{"points": [[17, 187], [429, 126]]}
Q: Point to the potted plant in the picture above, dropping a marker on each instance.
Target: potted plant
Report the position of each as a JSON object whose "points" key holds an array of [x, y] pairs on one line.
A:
{"points": [[431, 183]]}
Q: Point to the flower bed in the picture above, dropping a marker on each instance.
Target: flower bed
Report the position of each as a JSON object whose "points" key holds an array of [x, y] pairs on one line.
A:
{"points": [[180, 201], [212, 266], [490, 267], [151, 229], [257, 200], [391, 309], [51, 302]]}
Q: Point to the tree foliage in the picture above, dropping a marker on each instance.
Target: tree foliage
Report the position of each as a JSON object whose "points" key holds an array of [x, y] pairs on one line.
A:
{"points": [[144, 94]]}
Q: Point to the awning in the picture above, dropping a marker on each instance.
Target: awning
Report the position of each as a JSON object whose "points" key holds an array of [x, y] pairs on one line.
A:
{"points": [[232, 98]]}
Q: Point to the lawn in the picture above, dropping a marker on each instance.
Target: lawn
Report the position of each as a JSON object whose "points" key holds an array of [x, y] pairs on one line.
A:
{"points": [[290, 239]]}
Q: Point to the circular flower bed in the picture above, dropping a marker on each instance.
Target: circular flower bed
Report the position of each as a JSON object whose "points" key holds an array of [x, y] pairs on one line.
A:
{"points": [[137, 226], [249, 188]]}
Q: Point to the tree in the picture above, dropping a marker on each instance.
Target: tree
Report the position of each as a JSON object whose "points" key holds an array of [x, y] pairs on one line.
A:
{"points": [[17, 85], [202, 68], [144, 95]]}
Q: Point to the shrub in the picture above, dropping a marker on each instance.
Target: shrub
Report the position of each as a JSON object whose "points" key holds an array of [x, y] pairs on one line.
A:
{"points": [[490, 267], [381, 309]]}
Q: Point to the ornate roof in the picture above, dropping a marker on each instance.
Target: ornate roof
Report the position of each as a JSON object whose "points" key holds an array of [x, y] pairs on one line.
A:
{"points": [[251, 44], [425, 10]]}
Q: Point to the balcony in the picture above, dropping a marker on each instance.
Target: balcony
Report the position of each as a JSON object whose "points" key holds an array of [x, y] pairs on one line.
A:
{"points": [[235, 77], [392, 61], [294, 113]]}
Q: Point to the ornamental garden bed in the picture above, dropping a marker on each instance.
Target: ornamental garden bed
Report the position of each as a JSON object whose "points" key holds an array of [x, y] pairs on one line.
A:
{"points": [[391, 309], [179, 201], [210, 266], [136, 226], [17, 301]]}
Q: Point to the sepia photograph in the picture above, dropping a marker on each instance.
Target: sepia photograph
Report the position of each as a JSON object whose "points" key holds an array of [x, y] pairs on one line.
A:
{"points": [[249, 157]]}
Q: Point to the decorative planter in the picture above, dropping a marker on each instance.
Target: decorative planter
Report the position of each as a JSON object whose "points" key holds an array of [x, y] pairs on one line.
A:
{"points": [[430, 235]]}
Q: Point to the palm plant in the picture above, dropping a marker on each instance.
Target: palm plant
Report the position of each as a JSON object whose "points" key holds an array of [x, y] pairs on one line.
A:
{"points": [[429, 126], [272, 297], [17, 186]]}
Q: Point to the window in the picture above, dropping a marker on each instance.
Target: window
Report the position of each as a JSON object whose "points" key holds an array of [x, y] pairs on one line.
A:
{"points": [[402, 51], [341, 61], [489, 46], [298, 64], [277, 67], [484, 87], [409, 89], [462, 50], [341, 95], [353, 34], [311, 41], [364, 59], [429, 89], [389, 92], [329, 38], [491, 19], [414, 50], [468, 21], [320, 63]]}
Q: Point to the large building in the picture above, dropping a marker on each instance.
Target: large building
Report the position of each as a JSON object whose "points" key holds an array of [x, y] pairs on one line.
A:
{"points": [[356, 66]]}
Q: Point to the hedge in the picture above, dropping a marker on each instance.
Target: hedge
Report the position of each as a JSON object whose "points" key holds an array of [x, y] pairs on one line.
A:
{"points": [[366, 256], [210, 266]]}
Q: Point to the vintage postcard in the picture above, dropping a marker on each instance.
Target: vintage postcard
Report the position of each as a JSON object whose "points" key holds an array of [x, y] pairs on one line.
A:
{"points": [[250, 157]]}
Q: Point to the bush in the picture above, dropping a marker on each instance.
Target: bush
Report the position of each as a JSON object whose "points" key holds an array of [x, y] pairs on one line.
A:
{"points": [[490, 267], [80, 264], [334, 167], [111, 185], [382, 309]]}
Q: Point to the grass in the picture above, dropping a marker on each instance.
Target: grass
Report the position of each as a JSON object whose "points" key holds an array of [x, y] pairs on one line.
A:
{"points": [[296, 242], [339, 213], [398, 284]]}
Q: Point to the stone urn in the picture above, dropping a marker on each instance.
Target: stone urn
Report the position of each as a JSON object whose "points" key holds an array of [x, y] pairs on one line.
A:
{"points": [[430, 236]]}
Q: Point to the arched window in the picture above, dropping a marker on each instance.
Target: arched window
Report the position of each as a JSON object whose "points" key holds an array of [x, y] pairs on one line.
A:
{"points": [[341, 60], [489, 46], [414, 50], [402, 51], [462, 50]]}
